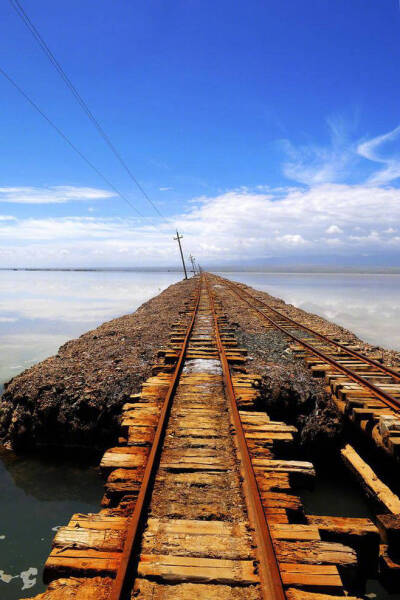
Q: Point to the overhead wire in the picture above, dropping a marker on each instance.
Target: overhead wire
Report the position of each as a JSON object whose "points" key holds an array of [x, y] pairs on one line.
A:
{"points": [[67, 140], [25, 18]]}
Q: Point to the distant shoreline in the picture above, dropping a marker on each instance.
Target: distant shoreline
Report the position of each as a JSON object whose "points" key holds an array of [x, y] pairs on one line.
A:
{"points": [[301, 270]]}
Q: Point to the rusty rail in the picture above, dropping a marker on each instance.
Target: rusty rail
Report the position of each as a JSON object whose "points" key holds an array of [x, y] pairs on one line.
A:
{"points": [[271, 582], [270, 578], [122, 581], [386, 398], [374, 363]]}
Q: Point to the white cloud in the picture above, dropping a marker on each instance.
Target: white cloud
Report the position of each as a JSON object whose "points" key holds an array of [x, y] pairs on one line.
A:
{"points": [[165, 189], [232, 226], [333, 229], [313, 164], [52, 195], [372, 150], [292, 239], [344, 158]]}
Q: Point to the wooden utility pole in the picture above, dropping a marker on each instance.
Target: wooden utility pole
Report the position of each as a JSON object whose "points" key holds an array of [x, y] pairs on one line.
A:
{"points": [[178, 238], [193, 265]]}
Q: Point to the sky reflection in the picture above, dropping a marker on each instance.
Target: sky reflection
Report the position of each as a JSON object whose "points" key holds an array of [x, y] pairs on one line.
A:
{"points": [[39, 311]]}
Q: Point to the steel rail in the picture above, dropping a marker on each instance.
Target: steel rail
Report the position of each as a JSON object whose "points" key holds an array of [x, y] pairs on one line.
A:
{"points": [[383, 368], [122, 580], [386, 398], [271, 582]]}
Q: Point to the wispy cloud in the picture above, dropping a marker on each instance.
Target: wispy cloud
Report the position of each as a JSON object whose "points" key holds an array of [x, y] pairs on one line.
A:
{"points": [[52, 195], [345, 159], [313, 164], [374, 149], [166, 189]]}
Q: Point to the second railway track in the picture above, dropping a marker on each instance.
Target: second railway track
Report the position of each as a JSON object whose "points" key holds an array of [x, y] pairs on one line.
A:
{"points": [[364, 389]]}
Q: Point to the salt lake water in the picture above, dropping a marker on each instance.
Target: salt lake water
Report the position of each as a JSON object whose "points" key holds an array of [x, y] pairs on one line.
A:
{"points": [[41, 310]]}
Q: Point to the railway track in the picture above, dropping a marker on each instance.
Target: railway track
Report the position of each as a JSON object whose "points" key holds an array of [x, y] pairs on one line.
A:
{"points": [[362, 388], [199, 498]]}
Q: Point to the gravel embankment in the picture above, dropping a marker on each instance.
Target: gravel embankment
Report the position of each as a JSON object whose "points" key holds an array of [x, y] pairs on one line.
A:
{"points": [[74, 399]]}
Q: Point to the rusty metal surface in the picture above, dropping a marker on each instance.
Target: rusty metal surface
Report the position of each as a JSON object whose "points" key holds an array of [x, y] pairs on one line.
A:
{"points": [[271, 582], [365, 359], [121, 587], [388, 399]]}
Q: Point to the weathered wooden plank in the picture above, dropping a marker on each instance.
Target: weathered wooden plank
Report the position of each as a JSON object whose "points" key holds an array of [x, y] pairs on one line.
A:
{"points": [[145, 589], [285, 465], [374, 487], [128, 457], [96, 588], [98, 521], [276, 515], [84, 563], [294, 532], [182, 568], [182, 537], [281, 500], [298, 594], [360, 534], [315, 552], [344, 525], [321, 578], [190, 526], [105, 540], [274, 482]]}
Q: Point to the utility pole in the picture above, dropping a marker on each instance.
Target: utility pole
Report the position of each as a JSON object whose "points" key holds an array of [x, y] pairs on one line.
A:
{"points": [[178, 238], [193, 265]]}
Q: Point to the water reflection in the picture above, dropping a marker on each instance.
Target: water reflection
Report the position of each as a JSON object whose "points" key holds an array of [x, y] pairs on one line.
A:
{"points": [[39, 311], [37, 495], [31, 474], [367, 304]]}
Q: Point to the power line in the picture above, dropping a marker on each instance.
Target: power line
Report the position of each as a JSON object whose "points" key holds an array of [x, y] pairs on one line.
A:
{"points": [[66, 139], [25, 18]]}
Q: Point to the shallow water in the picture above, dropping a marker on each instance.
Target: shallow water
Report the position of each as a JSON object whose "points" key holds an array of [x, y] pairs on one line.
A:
{"points": [[39, 311], [336, 493], [37, 495], [367, 304]]}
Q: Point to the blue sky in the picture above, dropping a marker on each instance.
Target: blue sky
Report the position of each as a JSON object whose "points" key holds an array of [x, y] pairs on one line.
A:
{"points": [[264, 130]]}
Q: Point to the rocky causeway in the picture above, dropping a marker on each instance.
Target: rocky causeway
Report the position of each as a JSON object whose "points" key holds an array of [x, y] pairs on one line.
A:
{"points": [[74, 399]]}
